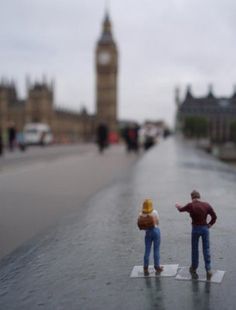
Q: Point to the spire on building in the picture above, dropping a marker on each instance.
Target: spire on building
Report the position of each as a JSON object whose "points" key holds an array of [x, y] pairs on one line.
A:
{"points": [[234, 92], [106, 36], [188, 92], [210, 91], [27, 82], [107, 23], [177, 97]]}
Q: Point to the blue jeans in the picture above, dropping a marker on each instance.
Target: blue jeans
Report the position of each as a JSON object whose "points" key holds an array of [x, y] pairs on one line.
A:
{"points": [[197, 232], [152, 236]]}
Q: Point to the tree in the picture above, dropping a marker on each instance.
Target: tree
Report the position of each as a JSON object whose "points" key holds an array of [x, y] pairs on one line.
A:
{"points": [[233, 131], [195, 127]]}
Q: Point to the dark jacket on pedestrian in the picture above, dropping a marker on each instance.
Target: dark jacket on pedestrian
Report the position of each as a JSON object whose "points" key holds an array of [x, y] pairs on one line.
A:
{"points": [[198, 211]]}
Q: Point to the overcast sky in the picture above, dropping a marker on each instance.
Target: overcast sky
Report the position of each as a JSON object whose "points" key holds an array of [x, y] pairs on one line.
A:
{"points": [[162, 44]]}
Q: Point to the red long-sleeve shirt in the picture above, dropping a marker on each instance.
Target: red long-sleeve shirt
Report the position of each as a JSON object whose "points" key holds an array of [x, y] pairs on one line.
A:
{"points": [[199, 211]]}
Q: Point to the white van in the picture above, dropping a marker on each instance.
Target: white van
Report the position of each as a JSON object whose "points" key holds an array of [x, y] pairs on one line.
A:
{"points": [[37, 133]]}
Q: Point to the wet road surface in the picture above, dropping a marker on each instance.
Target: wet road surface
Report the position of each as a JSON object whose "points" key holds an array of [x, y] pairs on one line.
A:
{"points": [[85, 262]]}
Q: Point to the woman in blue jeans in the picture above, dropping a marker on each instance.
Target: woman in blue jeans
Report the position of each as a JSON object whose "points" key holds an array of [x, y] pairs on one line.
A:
{"points": [[152, 235]]}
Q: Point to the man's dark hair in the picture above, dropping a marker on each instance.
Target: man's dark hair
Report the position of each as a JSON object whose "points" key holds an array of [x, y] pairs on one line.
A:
{"points": [[195, 195]]}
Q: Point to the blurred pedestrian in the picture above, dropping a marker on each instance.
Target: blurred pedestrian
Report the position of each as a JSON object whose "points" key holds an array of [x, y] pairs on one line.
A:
{"points": [[198, 211], [42, 138], [11, 136], [134, 137], [1, 143], [126, 137], [102, 137], [152, 236], [131, 137]]}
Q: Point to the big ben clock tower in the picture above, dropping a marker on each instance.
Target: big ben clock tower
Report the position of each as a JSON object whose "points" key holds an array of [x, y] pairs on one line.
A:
{"points": [[106, 77]]}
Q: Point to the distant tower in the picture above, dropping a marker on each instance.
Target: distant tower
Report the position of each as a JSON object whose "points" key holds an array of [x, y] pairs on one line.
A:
{"points": [[39, 104], [106, 76]]}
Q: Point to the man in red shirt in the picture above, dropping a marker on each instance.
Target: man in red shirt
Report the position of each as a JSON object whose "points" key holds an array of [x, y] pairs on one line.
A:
{"points": [[198, 211]]}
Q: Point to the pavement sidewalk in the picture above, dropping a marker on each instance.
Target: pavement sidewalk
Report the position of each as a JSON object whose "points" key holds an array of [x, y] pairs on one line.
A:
{"points": [[46, 185]]}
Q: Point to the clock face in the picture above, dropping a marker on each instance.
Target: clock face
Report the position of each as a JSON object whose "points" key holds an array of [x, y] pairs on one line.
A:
{"points": [[104, 58]]}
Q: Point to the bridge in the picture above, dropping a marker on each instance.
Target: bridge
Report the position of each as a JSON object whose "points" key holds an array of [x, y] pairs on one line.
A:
{"points": [[85, 260]]}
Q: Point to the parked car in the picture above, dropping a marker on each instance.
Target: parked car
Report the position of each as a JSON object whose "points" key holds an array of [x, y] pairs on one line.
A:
{"points": [[37, 134]]}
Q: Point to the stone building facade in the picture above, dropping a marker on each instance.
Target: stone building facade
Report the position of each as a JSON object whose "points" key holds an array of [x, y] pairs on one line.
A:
{"points": [[219, 112], [38, 106]]}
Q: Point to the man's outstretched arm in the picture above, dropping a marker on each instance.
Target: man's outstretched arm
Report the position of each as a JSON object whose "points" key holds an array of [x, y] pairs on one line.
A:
{"points": [[181, 208], [178, 206]]}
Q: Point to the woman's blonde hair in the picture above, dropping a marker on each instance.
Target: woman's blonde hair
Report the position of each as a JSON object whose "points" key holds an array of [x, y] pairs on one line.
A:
{"points": [[147, 206]]}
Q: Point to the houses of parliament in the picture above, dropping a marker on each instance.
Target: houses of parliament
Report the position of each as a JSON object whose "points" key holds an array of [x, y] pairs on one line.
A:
{"points": [[39, 106]]}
